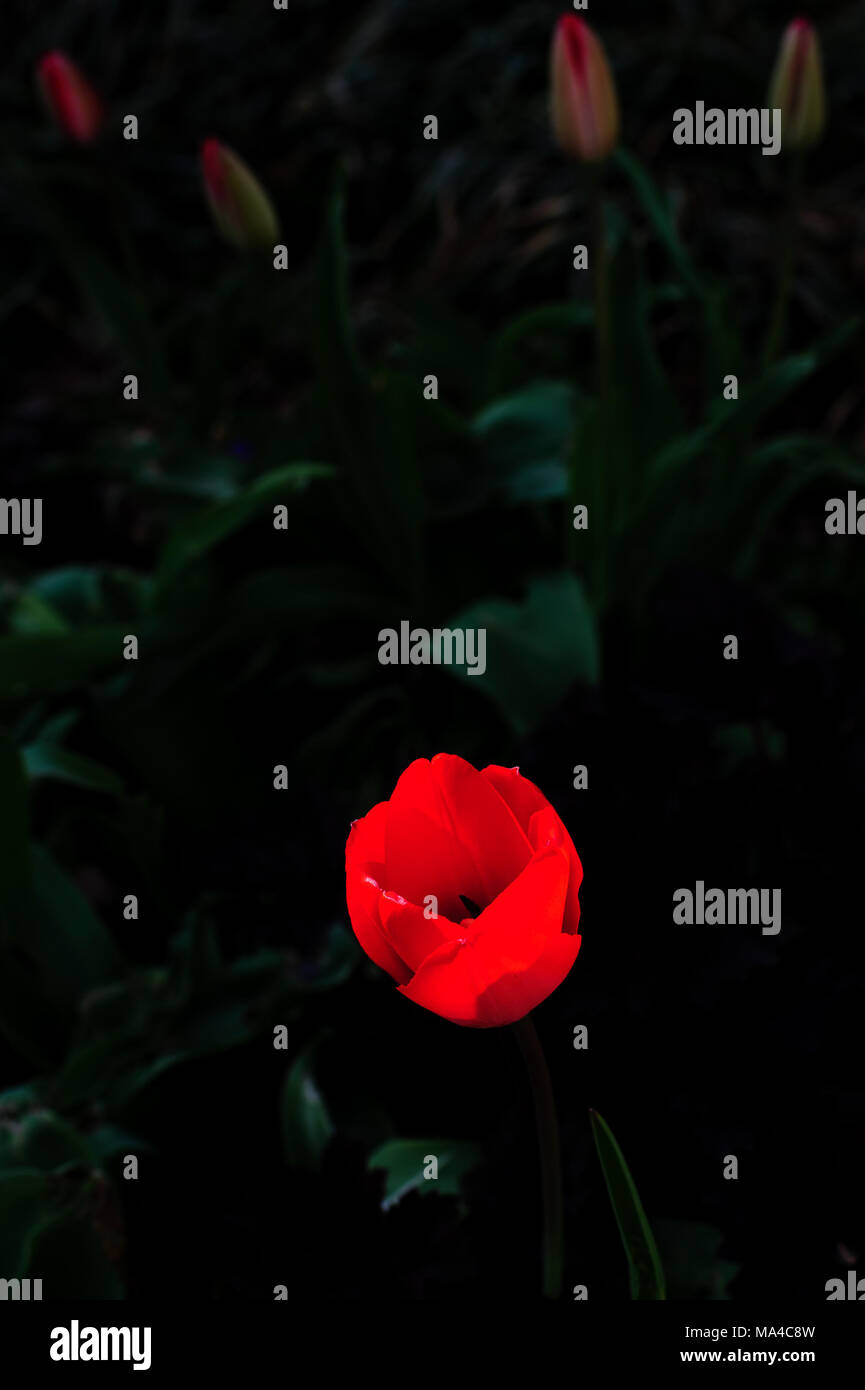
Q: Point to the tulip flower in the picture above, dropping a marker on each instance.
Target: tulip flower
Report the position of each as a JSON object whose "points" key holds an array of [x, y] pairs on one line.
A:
{"points": [[73, 103], [585, 109], [242, 210], [797, 87], [464, 888]]}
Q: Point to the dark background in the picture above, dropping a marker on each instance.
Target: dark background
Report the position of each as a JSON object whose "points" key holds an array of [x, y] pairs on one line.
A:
{"points": [[258, 648]]}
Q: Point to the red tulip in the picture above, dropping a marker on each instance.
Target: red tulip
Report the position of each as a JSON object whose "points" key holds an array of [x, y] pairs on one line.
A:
{"points": [[464, 887], [585, 108], [241, 208], [70, 98]]}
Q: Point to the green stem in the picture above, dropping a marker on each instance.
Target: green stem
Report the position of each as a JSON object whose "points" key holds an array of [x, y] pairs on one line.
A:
{"points": [[789, 254], [601, 278], [551, 1163], [599, 514]]}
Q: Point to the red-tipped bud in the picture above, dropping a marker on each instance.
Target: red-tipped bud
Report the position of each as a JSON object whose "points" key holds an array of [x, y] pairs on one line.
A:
{"points": [[241, 208], [73, 103], [585, 109], [797, 87]]}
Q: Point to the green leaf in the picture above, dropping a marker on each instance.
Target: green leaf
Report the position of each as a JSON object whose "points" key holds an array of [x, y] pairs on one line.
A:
{"points": [[371, 425], [692, 1262], [49, 760], [31, 614], [72, 946], [752, 507], [740, 418], [107, 1141], [535, 649], [713, 467], [177, 468], [25, 1017], [42, 665], [306, 1124], [221, 520], [334, 965], [725, 350], [17, 900], [524, 440], [280, 600], [405, 1160], [659, 215], [18, 1098], [73, 592], [556, 324], [644, 413], [44, 1140], [195, 955], [644, 1263]]}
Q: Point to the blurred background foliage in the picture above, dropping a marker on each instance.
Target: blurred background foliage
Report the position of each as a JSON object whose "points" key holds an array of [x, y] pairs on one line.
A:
{"points": [[258, 646]]}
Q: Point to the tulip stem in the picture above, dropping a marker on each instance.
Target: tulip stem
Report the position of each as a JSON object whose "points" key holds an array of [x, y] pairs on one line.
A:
{"points": [[599, 518], [600, 262], [789, 253], [551, 1162]]}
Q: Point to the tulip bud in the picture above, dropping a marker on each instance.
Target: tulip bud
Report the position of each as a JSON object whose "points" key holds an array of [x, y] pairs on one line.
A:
{"points": [[69, 97], [585, 109], [797, 87], [242, 210]]}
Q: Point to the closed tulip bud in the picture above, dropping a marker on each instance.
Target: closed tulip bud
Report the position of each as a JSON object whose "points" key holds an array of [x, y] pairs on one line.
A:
{"points": [[69, 97], [585, 108], [241, 208], [797, 87]]}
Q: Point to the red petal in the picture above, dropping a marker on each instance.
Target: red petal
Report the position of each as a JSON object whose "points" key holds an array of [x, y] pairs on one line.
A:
{"points": [[363, 888], [508, 959], [523, 797], [76, 106], [475, 847], [365, 844], [413, 935], [513, 996], [484, 823], [423, 857], [362, 895], [213, 168], [527, 801], [515, 928]]}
